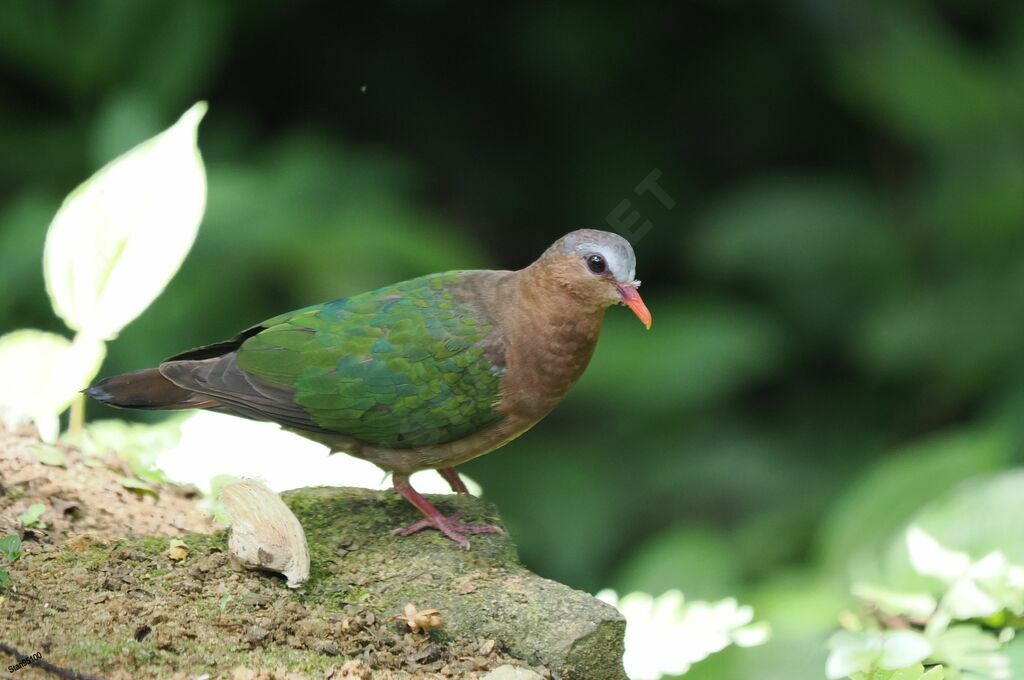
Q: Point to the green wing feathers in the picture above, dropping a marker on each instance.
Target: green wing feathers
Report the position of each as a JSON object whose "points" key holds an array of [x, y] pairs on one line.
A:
{"points": [[401, 366]]}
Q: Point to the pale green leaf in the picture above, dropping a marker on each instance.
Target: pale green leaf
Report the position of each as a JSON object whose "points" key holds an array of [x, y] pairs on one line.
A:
{"points": [[862, 652], [40, 373], [120, 237], [896, 603], [32, 515], [903, 647], [48, 454], [851, 653], [967, 600], [136, 485], [969, 648], [909, 673], [26, 359], [10, 547], [914, 672]]}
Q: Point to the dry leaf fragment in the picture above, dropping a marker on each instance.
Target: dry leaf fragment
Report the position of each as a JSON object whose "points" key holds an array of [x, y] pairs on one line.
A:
{"points": [[178, 550], [79, 542], [419, 620]]}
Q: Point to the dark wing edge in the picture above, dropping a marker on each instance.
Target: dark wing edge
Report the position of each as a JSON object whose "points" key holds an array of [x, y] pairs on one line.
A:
{"points": [[212, 370], [218, 349]]}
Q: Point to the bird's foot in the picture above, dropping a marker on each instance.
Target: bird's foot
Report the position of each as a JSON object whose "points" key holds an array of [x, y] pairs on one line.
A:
{"points": [[450, 526], [433, 519]]}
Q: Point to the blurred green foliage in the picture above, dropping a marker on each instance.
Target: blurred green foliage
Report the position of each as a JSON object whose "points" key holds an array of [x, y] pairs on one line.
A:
{"points": [[837, 293]]}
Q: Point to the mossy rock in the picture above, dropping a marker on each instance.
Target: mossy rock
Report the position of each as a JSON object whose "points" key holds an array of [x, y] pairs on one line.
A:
{"points": [[127, 610]]}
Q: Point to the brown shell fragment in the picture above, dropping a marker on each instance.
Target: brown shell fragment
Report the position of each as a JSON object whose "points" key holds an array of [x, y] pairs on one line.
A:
{"points": [[265, 534]]}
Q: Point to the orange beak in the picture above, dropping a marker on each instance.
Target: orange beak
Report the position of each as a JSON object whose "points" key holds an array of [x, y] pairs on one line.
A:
{"points": [[631, 298]]}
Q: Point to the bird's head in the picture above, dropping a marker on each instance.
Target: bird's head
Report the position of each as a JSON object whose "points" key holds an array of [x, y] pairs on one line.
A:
{"points": [[599, 268]]}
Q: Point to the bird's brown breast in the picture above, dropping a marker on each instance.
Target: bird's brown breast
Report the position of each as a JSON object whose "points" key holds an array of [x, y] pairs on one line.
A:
{"points": [[546, 340]]}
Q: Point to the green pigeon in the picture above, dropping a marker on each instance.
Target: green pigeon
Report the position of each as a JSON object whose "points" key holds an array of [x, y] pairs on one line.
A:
{"points": [[426, 373]]}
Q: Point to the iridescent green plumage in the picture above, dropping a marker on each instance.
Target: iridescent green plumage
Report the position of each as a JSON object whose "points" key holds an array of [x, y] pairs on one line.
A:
{"points": [[401, 366]]}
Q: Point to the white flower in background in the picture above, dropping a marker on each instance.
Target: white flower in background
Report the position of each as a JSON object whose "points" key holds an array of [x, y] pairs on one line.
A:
{"points": [[955, 646], [976, 589], [665, 636], [853, 652]]}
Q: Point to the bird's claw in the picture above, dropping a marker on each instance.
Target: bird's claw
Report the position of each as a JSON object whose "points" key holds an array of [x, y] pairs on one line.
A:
{"points": [[451, 527]]}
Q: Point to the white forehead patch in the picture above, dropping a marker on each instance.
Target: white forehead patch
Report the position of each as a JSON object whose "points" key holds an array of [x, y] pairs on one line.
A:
{"points": [[622, 267]]}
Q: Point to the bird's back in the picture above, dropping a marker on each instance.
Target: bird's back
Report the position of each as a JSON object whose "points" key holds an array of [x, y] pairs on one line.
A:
{"points": [[399, 366]]}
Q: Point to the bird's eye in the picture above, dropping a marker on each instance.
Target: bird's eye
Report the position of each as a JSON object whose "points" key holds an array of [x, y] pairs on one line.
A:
{"points": [[596, 264]]}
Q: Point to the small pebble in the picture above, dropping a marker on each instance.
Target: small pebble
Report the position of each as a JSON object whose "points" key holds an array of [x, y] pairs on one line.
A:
{"points": [[255, 633], [327, 647]]}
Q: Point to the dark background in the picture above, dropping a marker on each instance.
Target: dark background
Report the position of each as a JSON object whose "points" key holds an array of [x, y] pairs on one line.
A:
{"points": [[837, 290]]}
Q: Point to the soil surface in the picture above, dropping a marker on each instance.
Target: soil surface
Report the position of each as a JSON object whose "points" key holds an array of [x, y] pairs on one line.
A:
{"points": [[136, 613], [87, 497], [100, 591]]}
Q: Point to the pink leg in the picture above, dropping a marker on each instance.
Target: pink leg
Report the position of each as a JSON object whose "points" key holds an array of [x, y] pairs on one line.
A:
{"points": [[453, 479], [449, 526]]}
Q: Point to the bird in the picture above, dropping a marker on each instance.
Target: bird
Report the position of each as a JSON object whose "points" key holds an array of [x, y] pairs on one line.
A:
{"points": [[426, 373]]}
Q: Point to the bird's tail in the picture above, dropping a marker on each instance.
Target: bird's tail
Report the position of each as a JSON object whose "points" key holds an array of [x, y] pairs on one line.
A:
{"points": [[147, 389]]}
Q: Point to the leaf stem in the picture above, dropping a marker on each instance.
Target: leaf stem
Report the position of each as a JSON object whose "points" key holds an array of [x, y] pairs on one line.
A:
{"points": [[76, 421]]}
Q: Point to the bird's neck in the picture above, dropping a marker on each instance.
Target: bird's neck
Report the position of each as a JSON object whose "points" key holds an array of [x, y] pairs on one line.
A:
{"points": [[549, 339], [548, 305]]}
